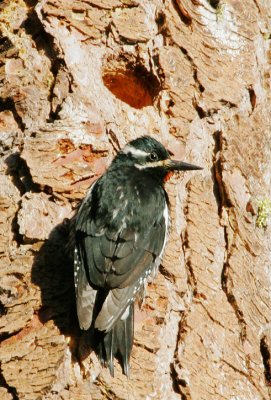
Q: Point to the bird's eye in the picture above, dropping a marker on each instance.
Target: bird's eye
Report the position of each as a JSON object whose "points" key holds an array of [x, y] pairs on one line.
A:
{"points": [[153, 156]]}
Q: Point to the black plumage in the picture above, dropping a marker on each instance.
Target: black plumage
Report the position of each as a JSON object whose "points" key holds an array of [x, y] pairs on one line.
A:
{"points": [[120, 234]]}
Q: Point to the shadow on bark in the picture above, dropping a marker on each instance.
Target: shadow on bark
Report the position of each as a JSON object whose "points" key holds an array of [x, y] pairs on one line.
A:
{"points": [[53, 272]]}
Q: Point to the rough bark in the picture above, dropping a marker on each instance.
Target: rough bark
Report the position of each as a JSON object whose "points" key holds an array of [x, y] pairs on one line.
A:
{"points": [[78, 80]]}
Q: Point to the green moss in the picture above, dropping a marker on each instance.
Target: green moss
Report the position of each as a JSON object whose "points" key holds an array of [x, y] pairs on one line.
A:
{"points": [[264, 211], [220, 11], [267, 36]]}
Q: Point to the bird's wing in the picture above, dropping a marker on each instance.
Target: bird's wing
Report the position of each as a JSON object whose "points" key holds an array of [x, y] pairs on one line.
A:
{"points": [[85, 293], [118, 255]]}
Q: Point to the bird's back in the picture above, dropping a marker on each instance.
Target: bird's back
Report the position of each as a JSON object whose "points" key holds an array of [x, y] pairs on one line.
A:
{"points": [[120, 233]]}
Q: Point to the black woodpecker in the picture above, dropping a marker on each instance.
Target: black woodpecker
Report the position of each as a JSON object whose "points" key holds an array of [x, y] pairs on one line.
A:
{"points": [[120, 235]]}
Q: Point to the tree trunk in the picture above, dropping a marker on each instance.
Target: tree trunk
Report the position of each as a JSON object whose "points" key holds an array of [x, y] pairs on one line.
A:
{"points": [[78, 80]]}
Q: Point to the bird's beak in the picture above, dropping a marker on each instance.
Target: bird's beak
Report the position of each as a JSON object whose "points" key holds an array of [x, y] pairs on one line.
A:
{"points": [[174, 165]]}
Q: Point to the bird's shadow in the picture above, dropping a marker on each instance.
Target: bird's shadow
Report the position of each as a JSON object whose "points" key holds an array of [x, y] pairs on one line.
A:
{"points": [[52, 272], [52, 269]]}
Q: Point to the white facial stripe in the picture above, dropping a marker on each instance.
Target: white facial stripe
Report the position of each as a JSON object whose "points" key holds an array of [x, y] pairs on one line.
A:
{"points": [[136, 152], [161, 163]]}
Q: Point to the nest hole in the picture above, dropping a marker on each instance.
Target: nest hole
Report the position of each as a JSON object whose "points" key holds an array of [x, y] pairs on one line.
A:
{"points": [[132, 84]]}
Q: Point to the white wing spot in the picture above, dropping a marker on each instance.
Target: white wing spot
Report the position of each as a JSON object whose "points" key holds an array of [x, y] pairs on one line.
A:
{"points": [[124, 225], [166, 218], [137, 194], [125, 314], [115, 213], [125, 203]]}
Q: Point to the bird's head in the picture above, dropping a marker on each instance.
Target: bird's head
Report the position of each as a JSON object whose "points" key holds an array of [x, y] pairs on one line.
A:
{"points": [[148, 155]]}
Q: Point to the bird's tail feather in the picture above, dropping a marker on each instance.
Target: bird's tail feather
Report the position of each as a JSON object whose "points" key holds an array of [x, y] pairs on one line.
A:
{"points": [[118, 342]]}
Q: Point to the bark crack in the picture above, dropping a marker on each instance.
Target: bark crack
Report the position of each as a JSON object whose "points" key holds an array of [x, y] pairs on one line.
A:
{"points": [[113, 139], [6, 335], [246, 375], [44, 42], [212, 318], [266, 356], [191, 279], [20, 174], [174, 378], [10, 389], [179, 386], [226, 212], [182, 12], [199, 86], [9, 104], [21, 178], [202, 113]]}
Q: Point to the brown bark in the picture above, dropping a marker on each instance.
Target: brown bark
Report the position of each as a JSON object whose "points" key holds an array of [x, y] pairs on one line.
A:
{"points": [[78, 80]]}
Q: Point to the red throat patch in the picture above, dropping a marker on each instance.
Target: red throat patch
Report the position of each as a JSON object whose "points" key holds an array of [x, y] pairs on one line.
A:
{"points": [[168, 176]]}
